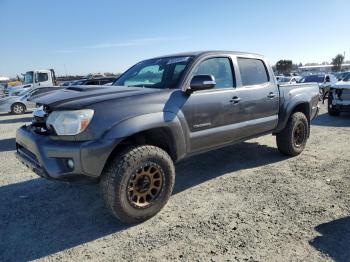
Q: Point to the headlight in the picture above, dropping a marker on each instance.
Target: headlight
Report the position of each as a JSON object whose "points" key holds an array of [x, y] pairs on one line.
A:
{"points": [[69, 122]]}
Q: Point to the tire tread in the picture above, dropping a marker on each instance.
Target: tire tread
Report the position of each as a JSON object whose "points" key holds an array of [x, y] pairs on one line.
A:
{"points": [[113, 174]]}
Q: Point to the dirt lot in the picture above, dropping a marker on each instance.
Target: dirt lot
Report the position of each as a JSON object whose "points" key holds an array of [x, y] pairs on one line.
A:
{"points": [[245, 203]]}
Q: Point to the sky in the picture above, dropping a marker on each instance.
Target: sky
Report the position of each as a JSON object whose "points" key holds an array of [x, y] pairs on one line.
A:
{"points": [[86, 36]]}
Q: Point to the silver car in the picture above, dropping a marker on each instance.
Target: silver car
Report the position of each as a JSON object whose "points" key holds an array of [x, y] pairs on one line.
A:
{"points": [[19, 102]]}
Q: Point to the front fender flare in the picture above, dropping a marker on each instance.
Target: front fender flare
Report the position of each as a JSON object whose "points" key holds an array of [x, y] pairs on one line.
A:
{"points": [[140, 123]]}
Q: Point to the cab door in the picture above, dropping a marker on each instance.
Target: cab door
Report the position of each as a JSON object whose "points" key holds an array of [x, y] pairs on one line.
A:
{"points": [[232, 112], [208, 112], [258, 98]]}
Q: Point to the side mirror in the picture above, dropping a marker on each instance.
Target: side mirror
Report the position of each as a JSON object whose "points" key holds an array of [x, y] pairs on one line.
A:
{"points": [[202, 82]]}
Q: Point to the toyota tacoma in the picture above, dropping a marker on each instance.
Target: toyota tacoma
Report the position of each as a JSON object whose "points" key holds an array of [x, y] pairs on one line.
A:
{"points": [[128, 136]]}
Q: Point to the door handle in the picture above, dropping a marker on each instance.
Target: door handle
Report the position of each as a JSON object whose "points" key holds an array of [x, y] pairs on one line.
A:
{"points": [[235, 99], [271, 95]]}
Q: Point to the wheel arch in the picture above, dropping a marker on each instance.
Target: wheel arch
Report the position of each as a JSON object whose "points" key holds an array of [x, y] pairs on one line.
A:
{"points": [[20, 103], [299, 106], [159, 129]]}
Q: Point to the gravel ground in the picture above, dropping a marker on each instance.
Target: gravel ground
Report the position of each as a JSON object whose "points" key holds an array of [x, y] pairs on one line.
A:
{"points": [[241, 203]]}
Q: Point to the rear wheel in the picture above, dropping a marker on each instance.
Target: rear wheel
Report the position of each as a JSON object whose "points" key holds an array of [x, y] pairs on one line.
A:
{"points": [[332, 111], [137, 183], [292, 139], [18, 109]]}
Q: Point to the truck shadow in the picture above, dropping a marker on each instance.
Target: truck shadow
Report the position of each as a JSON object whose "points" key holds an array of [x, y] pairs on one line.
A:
{"points": [[332, 121], [40, 217], [201, 168], [16, 120], [334, 240], [8, 144]]}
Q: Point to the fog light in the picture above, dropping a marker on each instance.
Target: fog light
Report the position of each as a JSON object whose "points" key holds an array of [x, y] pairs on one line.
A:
{"points": [[70, 163]]}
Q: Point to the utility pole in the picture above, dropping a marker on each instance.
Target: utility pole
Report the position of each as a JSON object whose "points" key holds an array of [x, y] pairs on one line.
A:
{"points": [[65, 69]]}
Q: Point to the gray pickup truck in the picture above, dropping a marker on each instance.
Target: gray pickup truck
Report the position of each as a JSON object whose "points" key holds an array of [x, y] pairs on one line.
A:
{"points": [[160, 111]]}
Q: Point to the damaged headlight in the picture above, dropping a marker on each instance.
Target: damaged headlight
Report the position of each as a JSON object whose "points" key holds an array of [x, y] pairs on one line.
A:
{"points": [[70, 122]]}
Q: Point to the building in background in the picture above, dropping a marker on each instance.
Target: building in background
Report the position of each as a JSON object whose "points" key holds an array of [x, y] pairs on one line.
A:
{"points": [[321, 68]]}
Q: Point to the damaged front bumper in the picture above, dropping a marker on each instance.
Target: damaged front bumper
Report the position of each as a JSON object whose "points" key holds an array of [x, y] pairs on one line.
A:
{"points": [[340, 99], [62, 160]]}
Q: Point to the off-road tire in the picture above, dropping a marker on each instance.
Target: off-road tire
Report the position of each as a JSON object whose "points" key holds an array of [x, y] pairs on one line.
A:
{"points": [[286, 139], [18, 109], [116, 178], [331, 110]]}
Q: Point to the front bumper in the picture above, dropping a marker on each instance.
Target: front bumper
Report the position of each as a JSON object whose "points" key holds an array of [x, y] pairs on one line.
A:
{"points": [[49, 158], [5, 108], [341, 105]]}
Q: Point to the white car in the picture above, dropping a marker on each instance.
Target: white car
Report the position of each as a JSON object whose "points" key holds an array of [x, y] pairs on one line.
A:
{"points": [[19, 102]]}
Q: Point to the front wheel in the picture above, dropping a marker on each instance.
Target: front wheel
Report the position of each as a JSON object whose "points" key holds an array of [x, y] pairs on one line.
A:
{"points": [[292, 139], [18, 109], [332, 111], [137, 183]]}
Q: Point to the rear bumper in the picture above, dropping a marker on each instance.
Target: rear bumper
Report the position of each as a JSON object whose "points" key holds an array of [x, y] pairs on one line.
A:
{"points": [[49, 158]]}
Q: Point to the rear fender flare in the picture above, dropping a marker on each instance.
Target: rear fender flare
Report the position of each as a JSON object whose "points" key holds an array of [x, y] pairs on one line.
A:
{"points": [[288, 108]]}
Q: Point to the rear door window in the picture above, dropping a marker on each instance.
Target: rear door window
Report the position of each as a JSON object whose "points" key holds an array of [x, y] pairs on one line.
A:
{"points": [[253, 71]]}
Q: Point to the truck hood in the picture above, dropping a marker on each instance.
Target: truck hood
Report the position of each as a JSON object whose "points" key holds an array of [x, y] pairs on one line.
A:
{"points": [[342, 85], [81, 96]]}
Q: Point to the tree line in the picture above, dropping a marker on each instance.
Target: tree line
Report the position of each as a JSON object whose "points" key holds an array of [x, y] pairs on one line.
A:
{"points": [[286, 66]]}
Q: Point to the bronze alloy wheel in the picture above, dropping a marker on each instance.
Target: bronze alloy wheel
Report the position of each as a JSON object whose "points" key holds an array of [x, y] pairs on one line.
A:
{"points": [[145, 185], [299, 134]]}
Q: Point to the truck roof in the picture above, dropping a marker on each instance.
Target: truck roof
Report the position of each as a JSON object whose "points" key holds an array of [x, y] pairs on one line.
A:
{"points": [[199, 53]]}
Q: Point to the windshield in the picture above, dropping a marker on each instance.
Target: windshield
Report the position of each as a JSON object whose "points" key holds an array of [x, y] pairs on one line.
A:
{"points": [[346, 77], [155, 73], [20, 92], [28, 77], [312, 78]]}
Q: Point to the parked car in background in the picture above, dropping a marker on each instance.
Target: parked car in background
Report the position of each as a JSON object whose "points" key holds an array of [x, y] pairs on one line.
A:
{"points": [[341, 75], [325, 81], [339, 97], [285, 80], [20, 101], [160, 111], [93, 82], [2, 90], [67, 83]]}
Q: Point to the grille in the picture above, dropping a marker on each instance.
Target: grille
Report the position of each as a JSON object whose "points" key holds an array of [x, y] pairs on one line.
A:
{"points": [[27, 153], [345, 94]]}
